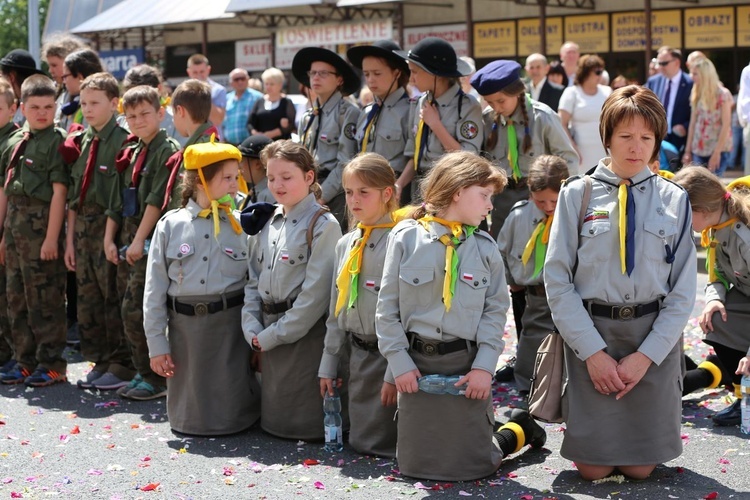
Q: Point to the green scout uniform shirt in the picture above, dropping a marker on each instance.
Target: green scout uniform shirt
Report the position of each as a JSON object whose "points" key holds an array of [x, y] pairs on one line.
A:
{"points": [[39, 167], [111, 139], [199, 136], [152, 181]]}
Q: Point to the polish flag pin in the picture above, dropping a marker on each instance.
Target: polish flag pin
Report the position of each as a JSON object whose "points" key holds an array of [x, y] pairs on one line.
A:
{"points": [[468, 276], [284, 256], [370, 283]]}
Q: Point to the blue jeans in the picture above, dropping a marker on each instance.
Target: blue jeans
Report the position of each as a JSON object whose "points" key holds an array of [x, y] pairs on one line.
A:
{"points": [[723, 162]]}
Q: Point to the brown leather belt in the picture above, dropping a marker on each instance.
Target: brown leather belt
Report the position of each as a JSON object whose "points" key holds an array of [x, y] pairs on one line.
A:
{"points": [[365, 345]]}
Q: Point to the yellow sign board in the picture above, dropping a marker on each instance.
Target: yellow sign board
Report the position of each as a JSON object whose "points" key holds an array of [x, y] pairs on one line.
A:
{"points": [[497, 39], [591, 33], [709, 28], [629, 30], [743, 26], [529, 38]]}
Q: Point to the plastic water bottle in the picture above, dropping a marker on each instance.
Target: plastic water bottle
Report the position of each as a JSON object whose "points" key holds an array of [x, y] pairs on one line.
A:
{"points": [[745, 405], [332, 423], [441, 384]]}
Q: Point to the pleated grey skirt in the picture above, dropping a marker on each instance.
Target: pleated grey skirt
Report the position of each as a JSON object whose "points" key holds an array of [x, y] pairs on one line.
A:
{"points": [[213, 390], [291, 404], [643, 427], [373, 426], [446, 437], [733, 333], [537, 324]]}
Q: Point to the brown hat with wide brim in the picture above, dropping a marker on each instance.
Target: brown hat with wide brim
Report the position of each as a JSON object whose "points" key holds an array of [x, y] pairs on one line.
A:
{"points": [[305, 57]]}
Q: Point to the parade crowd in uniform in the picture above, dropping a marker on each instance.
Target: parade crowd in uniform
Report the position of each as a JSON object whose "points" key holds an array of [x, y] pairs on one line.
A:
{"points": [[245, 262]]}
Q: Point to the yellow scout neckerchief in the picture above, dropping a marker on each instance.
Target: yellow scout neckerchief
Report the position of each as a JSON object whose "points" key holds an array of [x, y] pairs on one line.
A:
{"points": [[348, 279], [451, 241], [538, 241], [708, 241]]}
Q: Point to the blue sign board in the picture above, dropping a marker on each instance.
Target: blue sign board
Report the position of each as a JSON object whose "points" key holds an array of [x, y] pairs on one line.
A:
{"points": [[118, 62]]}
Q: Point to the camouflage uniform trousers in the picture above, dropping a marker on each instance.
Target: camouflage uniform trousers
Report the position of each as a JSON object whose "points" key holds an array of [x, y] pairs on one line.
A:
{"points": [[102, 338], [6, 340], [131, 282], [35, 288]]}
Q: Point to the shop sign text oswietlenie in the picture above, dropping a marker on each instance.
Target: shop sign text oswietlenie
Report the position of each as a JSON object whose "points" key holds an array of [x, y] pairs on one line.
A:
{"points": [[333, 34]]}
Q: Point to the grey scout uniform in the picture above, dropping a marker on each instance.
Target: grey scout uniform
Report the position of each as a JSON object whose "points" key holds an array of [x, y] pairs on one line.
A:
{"points": [[102, 336], [547, 137], [537, 319], [283, 269], [373, 429], [35, 288], [335, 130], [411, 301], [652, 410], [733, 261], [149, 191], [187, 263], [390, 132], [465, 126]]}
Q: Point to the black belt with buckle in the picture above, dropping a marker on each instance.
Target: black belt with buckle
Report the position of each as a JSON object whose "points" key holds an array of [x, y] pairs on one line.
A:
{"points": [[623, 313], [514, 184], [430, 348], [204, 308], [277, 308], [537, 290], [365, 345]]}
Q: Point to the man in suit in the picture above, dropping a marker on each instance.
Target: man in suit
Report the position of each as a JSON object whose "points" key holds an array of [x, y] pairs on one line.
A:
{"points": [[539, 87], [673, 87]]}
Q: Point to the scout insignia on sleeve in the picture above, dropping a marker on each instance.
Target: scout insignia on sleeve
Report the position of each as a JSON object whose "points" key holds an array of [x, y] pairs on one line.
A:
{"points": [[596, 215], [469, 130], [350, 130]]}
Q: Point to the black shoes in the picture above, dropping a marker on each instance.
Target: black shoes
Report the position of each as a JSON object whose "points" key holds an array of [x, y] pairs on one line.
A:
{"points": [[535, 434], [731, 415], [506, 373]]}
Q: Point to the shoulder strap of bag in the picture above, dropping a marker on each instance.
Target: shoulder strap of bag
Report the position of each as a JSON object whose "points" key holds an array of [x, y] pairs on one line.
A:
{"points": [[311, 227], [585, 201]]}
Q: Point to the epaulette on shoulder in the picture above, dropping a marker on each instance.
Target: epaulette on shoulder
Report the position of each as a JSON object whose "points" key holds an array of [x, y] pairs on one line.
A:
{"points": [[403, 225], [571, 179], [520, 204], [484, 234], [743, 232], [168, 213]]}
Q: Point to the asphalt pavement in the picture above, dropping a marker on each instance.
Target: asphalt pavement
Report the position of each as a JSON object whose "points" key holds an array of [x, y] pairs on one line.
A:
{"points": [[65, 442]]}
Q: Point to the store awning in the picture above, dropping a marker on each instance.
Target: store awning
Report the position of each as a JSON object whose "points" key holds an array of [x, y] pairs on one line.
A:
{"points": [[143, 13], [62, 15], [256, 5]]}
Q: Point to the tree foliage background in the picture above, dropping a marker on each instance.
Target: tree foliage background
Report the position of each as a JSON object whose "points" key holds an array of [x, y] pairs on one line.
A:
{"points": [[14, 24]]}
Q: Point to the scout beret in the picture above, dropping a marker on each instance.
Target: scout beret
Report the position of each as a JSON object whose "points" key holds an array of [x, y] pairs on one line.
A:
{"points": [[201, 155], [255, 216], [496, 76], [253, 145]]}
